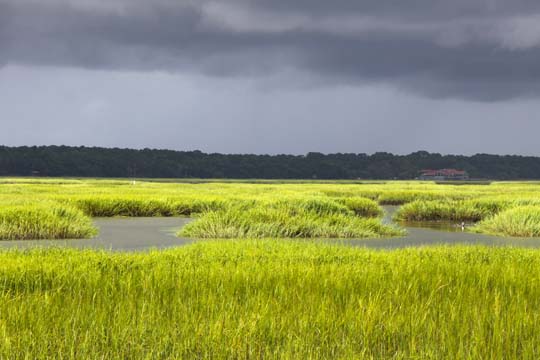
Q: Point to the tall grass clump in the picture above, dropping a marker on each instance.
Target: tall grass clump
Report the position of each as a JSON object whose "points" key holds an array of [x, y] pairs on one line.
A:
{"points": [[287, 219], [297, 205], [449, 210], [362, 206], [390, 196], [271, 300], [517, 222], [45, 221], [144, 206]]}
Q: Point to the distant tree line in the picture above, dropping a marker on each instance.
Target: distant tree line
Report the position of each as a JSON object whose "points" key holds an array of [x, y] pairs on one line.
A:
{"points": [[150, 163]]}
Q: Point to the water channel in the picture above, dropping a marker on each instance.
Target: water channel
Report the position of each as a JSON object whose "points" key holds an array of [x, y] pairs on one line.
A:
{"points": [[138, 234]]}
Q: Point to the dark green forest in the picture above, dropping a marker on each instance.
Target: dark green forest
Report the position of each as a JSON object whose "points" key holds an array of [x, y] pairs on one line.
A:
{"points": [[151, 163]]}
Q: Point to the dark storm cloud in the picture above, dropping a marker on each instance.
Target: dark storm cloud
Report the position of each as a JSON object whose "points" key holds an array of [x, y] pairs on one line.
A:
{"points": [[472, 49], [428, 9]]}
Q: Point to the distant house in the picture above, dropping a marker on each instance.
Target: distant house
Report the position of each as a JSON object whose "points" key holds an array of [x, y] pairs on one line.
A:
{"points": [[443, 174]]}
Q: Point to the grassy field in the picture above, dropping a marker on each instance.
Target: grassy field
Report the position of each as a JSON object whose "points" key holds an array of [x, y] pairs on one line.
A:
{"points": [[266, 209], [522, 221], [280, 299], [44, 220], [247, 296]]}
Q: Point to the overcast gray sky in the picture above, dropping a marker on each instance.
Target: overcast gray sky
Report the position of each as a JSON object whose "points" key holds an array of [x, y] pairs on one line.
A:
{"points": [[272, 76]]}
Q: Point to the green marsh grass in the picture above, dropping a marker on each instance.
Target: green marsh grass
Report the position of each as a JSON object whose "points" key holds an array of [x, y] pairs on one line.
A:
{"points": [[361, 206], [448, 210], [501, 216], [271, 299], [43, 221], [302, 219], [523, 221], [144, 206], [422, 201]]}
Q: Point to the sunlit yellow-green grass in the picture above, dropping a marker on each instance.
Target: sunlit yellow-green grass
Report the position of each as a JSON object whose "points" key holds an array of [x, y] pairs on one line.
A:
{"points": [[523, 221], [451, 210], [422, 201], [501, 216], [265, 299], [43, 221], [304, 218]]}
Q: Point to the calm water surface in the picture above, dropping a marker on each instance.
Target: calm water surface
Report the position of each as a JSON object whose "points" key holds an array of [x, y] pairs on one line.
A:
{"points": [[444, 233], [130, 234], [138, 234]]}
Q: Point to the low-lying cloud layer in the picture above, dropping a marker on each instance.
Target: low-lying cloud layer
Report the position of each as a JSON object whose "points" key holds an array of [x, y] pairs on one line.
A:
{"points": [[484, 50]]}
